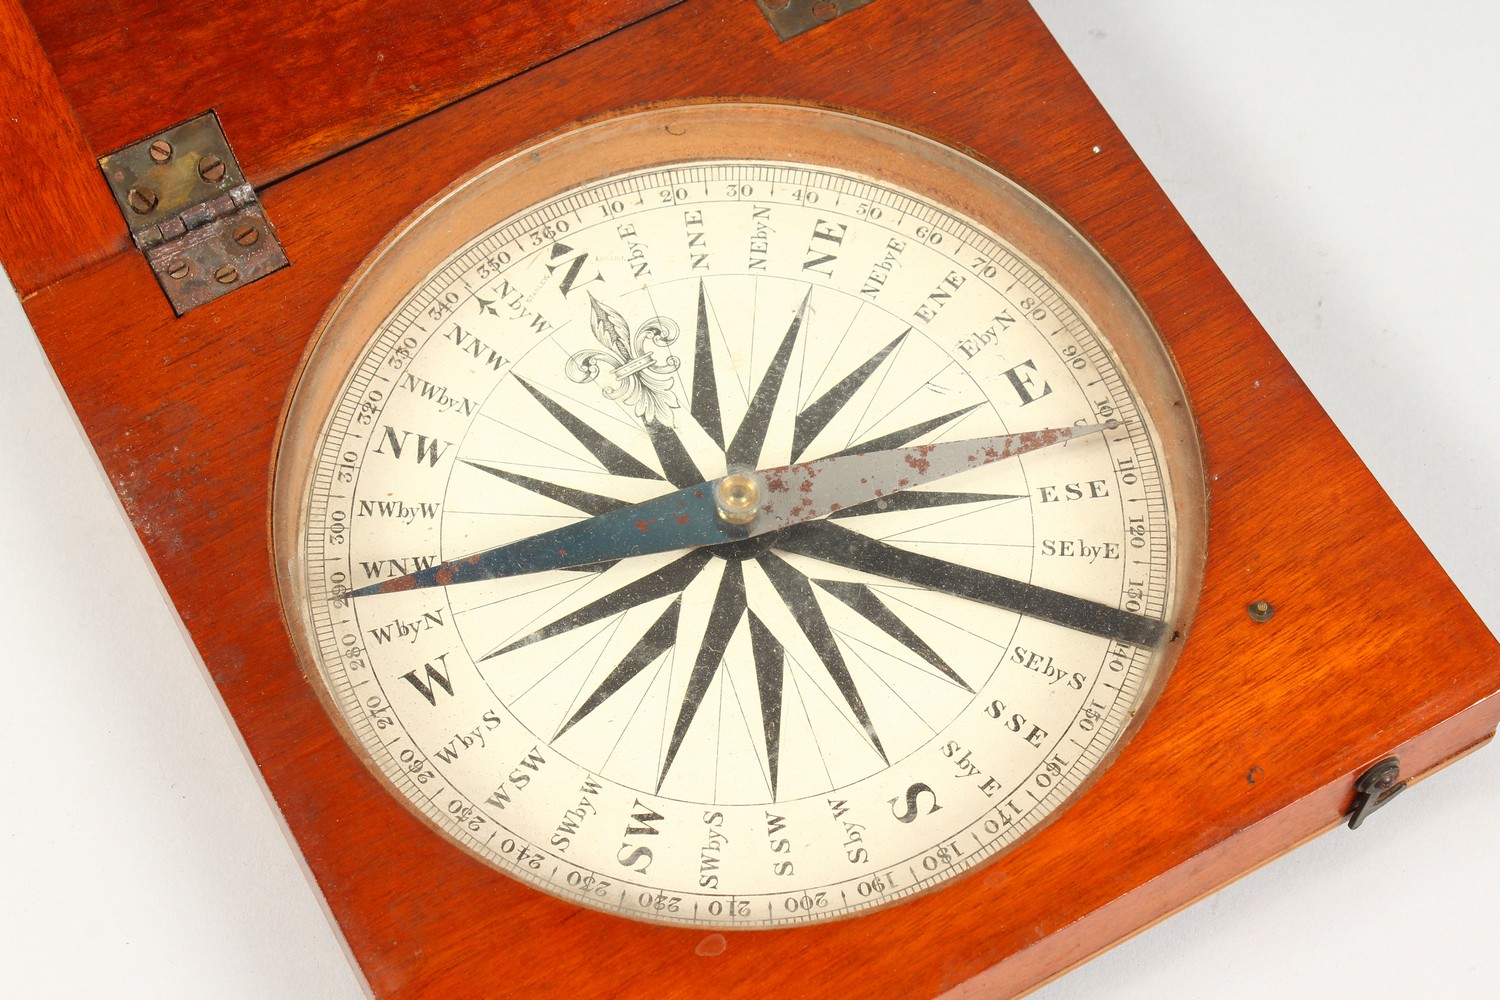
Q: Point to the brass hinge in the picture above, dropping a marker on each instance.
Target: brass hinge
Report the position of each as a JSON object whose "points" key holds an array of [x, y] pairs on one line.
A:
{"points": [[791, 18], [191, 212]]}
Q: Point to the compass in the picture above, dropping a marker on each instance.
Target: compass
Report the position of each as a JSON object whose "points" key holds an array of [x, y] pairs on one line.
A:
{"points": [[737, 514], [1252, 743]]}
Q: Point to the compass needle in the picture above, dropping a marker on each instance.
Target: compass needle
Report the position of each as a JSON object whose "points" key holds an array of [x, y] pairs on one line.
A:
{"points": [[694, 516]]}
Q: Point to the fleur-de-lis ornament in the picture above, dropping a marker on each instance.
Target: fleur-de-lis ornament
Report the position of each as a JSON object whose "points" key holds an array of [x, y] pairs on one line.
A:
{"points": [[639, 363]]}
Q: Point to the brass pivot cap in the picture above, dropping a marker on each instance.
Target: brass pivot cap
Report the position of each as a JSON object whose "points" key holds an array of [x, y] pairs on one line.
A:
{"points": [[738, 498]]}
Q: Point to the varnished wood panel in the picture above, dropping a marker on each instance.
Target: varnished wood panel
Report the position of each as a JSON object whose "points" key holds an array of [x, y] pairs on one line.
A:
{"points": [[57, 214], [182, 413], [1215, 865], [295, 82]]}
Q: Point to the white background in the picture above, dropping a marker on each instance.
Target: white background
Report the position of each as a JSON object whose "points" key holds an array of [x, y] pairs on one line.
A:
{"points": [[1338, 159]]}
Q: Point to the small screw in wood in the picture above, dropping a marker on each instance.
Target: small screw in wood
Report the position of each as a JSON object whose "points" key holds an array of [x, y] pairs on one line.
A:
{"points": [[211, 169], [1261, 611], [141, 200]]}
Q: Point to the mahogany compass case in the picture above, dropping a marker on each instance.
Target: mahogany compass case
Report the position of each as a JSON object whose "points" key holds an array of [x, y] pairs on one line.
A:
{"points": [[738, 490]]}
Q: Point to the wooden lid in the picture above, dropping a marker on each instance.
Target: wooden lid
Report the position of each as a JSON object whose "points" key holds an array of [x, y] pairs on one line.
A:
{"points": [[295, 82]]}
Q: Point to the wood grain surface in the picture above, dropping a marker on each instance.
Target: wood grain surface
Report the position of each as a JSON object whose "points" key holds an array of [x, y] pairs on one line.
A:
{"points": [[183, 414], [54, 219], [292, 84]]}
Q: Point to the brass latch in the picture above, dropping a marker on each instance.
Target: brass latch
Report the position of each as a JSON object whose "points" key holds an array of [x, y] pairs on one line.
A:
{"points": [[191, 212], [1374, 789]]}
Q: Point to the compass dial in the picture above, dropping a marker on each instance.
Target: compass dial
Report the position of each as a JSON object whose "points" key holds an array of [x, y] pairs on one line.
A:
{"points": [[669, 714]]}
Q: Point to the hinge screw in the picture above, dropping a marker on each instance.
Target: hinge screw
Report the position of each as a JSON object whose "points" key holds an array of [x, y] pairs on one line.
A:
{"points": [[1261, 611], [825, 10], [179, 269], [161, 151], [227, 275], [142, 200], [211, 169], [246, 236]]}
